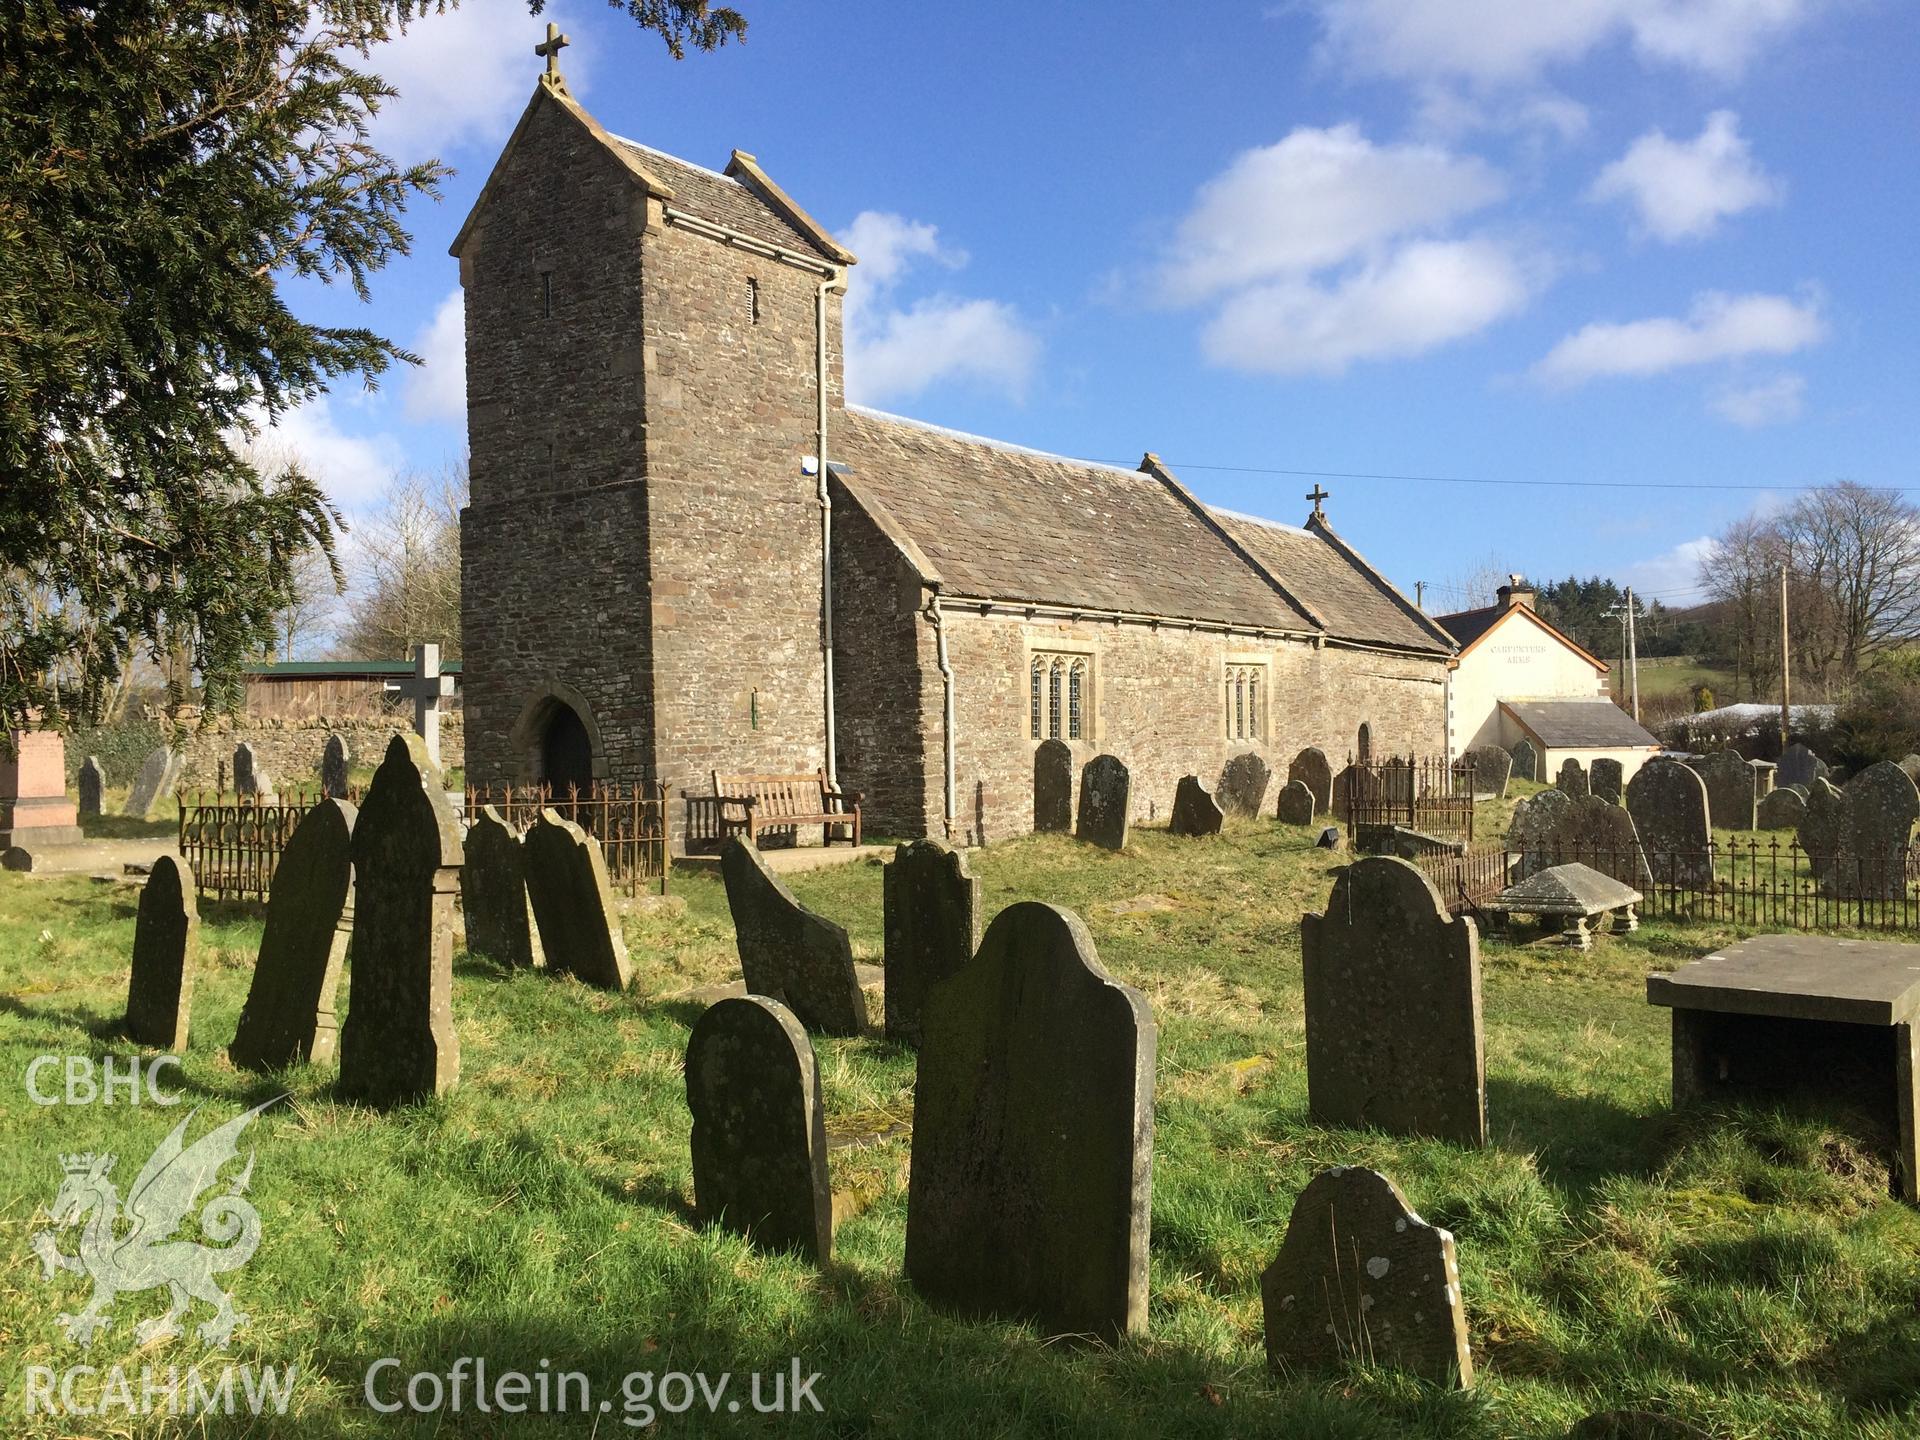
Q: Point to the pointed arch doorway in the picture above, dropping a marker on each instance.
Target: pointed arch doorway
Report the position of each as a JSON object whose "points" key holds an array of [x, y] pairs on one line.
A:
{"points": [[558, 741]]}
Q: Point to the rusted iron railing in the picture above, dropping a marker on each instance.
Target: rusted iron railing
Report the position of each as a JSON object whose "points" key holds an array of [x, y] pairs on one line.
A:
{"points": [[628, 819]]}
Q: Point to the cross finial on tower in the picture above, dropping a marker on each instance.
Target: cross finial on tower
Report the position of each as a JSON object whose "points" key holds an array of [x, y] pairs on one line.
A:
{"points": [[555, 43], [1316, 496]]}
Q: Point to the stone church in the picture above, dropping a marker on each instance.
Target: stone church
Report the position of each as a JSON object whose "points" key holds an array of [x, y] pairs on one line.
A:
{"points": [[662, 579]]}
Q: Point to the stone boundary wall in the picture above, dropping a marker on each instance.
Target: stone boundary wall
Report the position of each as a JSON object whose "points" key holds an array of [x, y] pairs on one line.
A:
{"points": [[289, 750]]}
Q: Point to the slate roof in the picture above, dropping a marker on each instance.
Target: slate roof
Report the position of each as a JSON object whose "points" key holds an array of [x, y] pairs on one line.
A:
{"points": [[1580, 724], [718, 198], [1467, 626]]}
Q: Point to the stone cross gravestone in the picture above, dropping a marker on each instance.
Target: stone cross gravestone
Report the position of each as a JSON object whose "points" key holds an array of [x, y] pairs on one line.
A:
{"points": [[289, 1015], [93, 782], [1572, 779], [1819, 834], [1243, 785], [759, 1127], [1880, 805], [931, 905], [787, 952], [1311, 768], [160, 987], [1606, 779], [1667, 802], [1729, 781], [1031, 1178], [1526, 761], [1392, 1000], [1361, 1277], [1799, 766], [1106, 798], [333, 769], [566, 874], [493, 894], [1195, 812], [1781, 809], [426, 687], [1052, 787], [1296, 804], [398, 1044], [1492, 770], [158, 774]]}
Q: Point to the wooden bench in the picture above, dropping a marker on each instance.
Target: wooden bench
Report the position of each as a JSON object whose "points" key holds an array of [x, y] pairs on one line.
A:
{"points": [[751, 804]]}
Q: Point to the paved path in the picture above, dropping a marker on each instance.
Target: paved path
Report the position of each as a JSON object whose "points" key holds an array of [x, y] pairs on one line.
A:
{"points": [[102, 857], [799, 857]]}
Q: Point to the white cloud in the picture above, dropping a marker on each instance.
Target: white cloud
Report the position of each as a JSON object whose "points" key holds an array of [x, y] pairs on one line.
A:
{"points": [[438, 389], [1764, 402], [1314, 199], [1673, 576], [352, 469], [1424, 295], [1717, 327], [896, 349], [1682, 189]]}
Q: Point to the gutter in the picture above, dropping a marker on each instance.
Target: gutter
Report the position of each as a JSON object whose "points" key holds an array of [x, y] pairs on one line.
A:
{"points": [[833, 280], [947, 722]]}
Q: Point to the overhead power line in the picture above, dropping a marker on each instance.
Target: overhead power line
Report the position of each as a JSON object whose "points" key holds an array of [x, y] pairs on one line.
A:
{"points": [[1486, 480]]}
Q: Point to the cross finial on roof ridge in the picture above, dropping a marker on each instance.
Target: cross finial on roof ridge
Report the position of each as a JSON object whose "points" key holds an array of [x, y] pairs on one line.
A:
{"points": [[1316, 495], [554, 44]]}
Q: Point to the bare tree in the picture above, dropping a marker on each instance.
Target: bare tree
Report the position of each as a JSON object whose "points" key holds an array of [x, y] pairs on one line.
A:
{"points": [[1857, 553], [1474, 587], [405, 562], [1740, 571]]}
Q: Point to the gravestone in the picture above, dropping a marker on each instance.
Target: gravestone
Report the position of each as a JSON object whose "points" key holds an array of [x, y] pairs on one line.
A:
{"points": [[1492, 770], [245, 782], [426, 687], [1243, 785], [1799, 766], [1330, 838], [1296, 805], [398, 1044], [1031, 1178], [1605, 779], [1819, 834], [1729, 781], [1392, 1000], [1052, 787], [1311, 769], [1572, 779], [759, 1127], [92, 783], [35, 813], [931, 906], [493, 894], [1763, 778], [1533, 832], [160, 988], [158, 773], [1781, 809], [1668, 804], [1601, 835], [787, 952], [1360, 1276], [1106, 796], [1195, 812], [579, 933], [1526, 761], [333, 769], [289, 1015], [1880, 805], [1357, 787]]}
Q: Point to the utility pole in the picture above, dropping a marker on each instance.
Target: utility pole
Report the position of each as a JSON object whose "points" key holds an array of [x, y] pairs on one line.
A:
{"points": [[1633, 656], [1786, 710]]}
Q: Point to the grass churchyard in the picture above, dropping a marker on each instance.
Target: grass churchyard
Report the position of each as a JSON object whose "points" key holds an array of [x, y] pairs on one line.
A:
{"points": [[1746, 1271]]}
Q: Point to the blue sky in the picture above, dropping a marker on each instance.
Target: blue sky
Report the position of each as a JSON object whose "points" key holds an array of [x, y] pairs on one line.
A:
{"points": [[1667, 242]]}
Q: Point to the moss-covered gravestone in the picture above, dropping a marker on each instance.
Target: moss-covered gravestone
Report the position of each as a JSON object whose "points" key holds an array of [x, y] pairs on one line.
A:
{"points": [[1667, 802], [1526, 761], [1573, 779], [1819, 833], [1361, 1277], [1606, 779], [1031, 1179], [158, 772], [1106, 800], [1392, 1000], [759, 1127], [1876, 829], [932, 918], [289, 1015], [1296, 804], [1310, 768], [1243, 785], [787, 952], [1799, 766], [399, 1043], [1781, 809], [92, 783], [1195, 811], [160, 988], [1729, 782], [333, 768], [573, 903], [1052, 787], [493, 894], [1492, 770]]}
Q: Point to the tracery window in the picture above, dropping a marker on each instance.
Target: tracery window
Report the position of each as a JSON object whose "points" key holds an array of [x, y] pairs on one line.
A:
{"points": [[1245, 701], [1060, 697]]}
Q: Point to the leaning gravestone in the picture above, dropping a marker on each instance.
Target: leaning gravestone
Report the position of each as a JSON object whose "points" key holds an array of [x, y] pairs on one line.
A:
{"points": [[493, 894], [1243, 785], [398, 1044], [1311, 769], [759, 1127], [787, 952], [931, 906], [1526, 761], [1392, 1000], [573, 903], [93, 782], [289, 1014], [1052, 787], [1729, 781], [1296, 805], [1870, 862], [158, 772], [1106, 795], [1492, 770], [1819, 834], [1533, 832], [1361, 1277], [333, 769], [1781, 809], [1668, 805], [1799, 765], [160, 988], [1195, 811], [245, 782], [1031, 1175], [1606, 779], [1572, 779]]}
